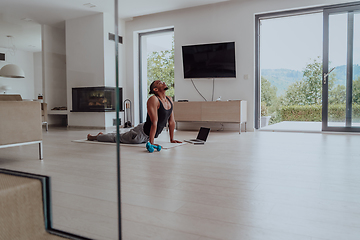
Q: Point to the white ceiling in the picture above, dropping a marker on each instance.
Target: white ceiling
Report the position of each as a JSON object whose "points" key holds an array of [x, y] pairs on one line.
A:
{"points": [[22, 18]]}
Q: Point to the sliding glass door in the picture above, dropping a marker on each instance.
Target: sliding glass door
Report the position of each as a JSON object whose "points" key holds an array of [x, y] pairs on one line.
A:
{"points": [[341, 70], [156, 50]]}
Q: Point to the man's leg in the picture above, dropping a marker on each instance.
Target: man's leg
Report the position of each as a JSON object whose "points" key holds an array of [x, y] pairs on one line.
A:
{"points": [[108, 137], [93, 137], [135, 135]]}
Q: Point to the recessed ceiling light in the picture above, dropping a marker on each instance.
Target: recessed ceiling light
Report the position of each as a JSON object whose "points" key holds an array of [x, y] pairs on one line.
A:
{"points": [[90, 5]]}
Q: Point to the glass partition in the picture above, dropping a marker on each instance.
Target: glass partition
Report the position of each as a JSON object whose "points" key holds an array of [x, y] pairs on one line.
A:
{"points": [[341, 72], [59, 58], [337, 58], [356, 72]]}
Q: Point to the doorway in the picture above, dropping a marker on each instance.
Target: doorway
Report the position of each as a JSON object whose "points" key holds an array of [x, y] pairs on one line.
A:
{"points": [[290, 71], [326, 95], [156, 59], [341, 99]]}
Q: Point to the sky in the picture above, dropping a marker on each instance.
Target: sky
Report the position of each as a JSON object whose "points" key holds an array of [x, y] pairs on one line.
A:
{"points": [[291, 42], [159, 42]]}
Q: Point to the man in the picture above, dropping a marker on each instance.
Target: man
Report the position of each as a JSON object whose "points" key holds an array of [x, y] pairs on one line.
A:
{"points": [[159, 112]]}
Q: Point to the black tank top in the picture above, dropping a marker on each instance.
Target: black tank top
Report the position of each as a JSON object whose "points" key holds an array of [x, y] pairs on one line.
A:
{"points": [[163, 117]]}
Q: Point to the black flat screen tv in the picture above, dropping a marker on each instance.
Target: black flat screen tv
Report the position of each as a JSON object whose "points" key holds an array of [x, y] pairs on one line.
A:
{"points": [[215, 60]]}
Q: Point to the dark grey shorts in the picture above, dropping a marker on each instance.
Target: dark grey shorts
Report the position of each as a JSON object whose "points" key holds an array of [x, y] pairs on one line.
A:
{"points": [[135, 135]]}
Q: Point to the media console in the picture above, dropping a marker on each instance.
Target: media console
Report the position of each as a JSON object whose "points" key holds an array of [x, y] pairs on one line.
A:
{"points": [[234, 111]]}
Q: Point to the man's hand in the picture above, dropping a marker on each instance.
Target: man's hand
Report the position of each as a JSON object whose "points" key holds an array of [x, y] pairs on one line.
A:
{"points": [[175, 141], [156, 144]]}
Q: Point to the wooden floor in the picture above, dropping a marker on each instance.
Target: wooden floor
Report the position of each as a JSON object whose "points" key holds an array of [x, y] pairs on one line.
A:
{"points": [[257, 185]]}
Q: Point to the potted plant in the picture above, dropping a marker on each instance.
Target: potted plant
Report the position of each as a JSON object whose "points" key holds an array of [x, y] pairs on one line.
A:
{"points": [[264, 120]]}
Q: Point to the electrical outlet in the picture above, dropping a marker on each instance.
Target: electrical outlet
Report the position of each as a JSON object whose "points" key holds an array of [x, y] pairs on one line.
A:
{"points": [[114, 121]]}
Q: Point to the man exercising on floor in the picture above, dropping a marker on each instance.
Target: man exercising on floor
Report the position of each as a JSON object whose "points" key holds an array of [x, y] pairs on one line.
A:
{"points": [[159, 112]]}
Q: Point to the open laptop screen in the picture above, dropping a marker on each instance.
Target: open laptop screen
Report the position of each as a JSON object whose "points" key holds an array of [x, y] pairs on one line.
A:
{"points": [[203, 133]]}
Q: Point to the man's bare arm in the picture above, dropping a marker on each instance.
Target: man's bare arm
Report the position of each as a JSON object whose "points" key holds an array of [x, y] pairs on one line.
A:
{"points": [[152, 107], [172, 127]]}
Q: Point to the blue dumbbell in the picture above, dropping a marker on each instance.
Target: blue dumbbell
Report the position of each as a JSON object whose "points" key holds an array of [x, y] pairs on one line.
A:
{"points": [[151, 147]]}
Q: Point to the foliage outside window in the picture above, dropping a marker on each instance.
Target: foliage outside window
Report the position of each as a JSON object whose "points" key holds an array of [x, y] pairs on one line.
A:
{"points": [[302, 99], [161, 67]]}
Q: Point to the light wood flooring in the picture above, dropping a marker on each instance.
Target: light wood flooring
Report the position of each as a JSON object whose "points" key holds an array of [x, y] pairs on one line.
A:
{"points": [[257, 185]]}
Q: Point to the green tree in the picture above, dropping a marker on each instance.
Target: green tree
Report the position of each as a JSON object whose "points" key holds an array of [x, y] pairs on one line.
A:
{"points": [[356, 91], [312, 87], [308, 91], [295, 94], [337, 95], [270, 103], [268, 92], [161, 67]]}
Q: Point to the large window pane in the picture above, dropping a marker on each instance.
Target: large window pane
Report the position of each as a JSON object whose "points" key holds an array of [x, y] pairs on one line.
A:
{"points": [[337, 79], [291, 70], [356, 72]]}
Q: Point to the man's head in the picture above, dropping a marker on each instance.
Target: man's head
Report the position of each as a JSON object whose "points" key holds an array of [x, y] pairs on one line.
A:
{"points": [[157, 86]]}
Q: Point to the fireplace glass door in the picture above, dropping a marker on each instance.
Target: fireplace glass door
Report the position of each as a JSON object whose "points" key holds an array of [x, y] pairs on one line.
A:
{"points": [[94, 99]]}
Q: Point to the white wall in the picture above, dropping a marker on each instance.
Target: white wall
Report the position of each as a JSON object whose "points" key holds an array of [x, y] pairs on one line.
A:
{"points": [[38, 85], [54, 66], [90, 57], [54, 70], [109, 60], [22, 86], [229, 21], [85, 63], [109, 50], [122, 65]]}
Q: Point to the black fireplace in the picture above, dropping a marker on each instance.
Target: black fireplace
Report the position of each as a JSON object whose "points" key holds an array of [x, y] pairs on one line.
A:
{"points": [[95, 99]]}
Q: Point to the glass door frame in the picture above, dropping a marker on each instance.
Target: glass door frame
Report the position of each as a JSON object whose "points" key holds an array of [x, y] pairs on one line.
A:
{"points": [[261, 16], [141, 88], [349, 8]]}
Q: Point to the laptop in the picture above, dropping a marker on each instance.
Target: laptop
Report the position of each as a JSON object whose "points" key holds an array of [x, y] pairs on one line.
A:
{"points": [[201, 137]]}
